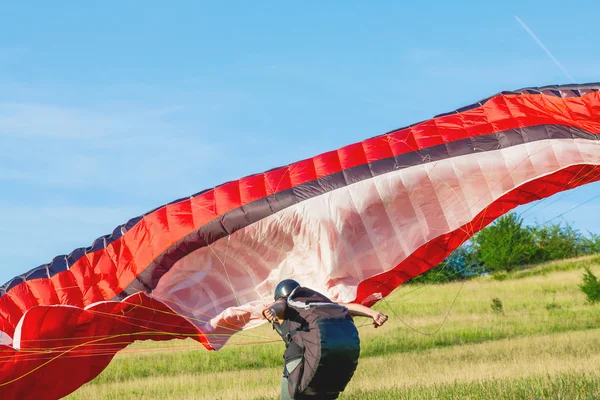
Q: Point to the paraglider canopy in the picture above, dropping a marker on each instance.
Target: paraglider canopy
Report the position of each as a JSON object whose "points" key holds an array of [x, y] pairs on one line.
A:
{"points": [[352, 223]]}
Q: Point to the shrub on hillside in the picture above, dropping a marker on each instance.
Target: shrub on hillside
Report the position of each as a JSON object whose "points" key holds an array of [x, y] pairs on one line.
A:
{"points": [[590, 286], [556, 242], [457, 266], [505, 244], [590, 245], [497, 306]]}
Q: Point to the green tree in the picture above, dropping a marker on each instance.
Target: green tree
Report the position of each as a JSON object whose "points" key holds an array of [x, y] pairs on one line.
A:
{"points": [[556, 242], [589, 245], [590, 286], [458, 265], [505, 244]]}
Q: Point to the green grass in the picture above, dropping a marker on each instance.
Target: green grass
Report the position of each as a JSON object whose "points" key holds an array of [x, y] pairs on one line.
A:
{"points": [[563, 386], [197, 360], [452, 323], [547, 268]]}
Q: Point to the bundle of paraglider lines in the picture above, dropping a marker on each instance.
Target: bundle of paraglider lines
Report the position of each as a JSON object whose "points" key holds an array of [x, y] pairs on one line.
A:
{"points": [[353, 224]]}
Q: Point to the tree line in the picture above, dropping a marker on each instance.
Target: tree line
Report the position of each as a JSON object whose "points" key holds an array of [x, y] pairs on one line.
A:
{"points": [[507, 244]]}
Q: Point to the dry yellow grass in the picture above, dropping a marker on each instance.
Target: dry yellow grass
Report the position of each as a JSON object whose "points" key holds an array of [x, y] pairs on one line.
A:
{"points": [[546, 329], [531, 356]]}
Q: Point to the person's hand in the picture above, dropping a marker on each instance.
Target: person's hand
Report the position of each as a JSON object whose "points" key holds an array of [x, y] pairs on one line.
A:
{"points": [[379, 319], [269, 314]]}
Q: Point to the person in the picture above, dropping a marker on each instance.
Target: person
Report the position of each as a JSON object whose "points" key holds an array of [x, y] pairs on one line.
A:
{"points": [[291, 314]]}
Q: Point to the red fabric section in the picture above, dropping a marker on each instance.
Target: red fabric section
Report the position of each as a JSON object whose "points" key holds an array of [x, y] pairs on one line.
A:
{"points": [[327, 164], [252, 188], [72, 346], [103, 274], [55, 340], [434, 252]]}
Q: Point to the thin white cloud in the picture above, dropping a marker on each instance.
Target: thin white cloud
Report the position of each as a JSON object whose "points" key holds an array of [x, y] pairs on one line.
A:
{"points": [[76, 161], [8, 174], [118, 147], [63, 219], [543, 47], [43, 120], [32, 236]]}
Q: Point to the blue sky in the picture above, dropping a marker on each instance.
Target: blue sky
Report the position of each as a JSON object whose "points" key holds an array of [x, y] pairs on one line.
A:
{"points": [[109, 110]]}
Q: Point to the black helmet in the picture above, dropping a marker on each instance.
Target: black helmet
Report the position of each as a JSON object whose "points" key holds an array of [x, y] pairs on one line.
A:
{"points": [[284, 288]]}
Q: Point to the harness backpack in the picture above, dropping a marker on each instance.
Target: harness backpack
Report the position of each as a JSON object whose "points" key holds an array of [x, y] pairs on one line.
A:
{"points": [[328, 341]]}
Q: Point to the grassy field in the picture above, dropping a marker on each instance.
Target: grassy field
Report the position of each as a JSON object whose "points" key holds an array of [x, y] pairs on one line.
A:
{"points": [[442, 341]]}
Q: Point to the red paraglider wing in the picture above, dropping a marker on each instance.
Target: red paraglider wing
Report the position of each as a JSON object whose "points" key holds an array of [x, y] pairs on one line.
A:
{"points": [[353, 223]]}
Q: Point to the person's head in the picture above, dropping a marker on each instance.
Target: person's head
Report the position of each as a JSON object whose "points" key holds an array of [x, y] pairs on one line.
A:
{"points": [[284, 288]]}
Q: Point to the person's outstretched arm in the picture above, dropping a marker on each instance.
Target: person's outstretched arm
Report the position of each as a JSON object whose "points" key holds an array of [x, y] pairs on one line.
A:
{"points": [[275, 311], [358, 310]]}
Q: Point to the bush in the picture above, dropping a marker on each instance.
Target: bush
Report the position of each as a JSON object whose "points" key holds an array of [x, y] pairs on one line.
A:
{"points": [[505, 244], [590, 286], [458, 265], [556, 242], [590, 245], [496, 306]]}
